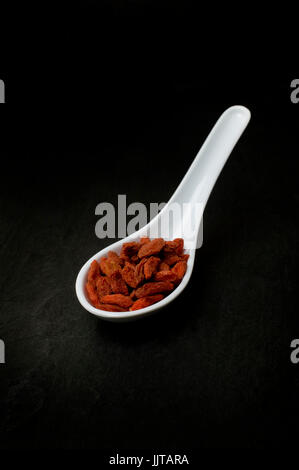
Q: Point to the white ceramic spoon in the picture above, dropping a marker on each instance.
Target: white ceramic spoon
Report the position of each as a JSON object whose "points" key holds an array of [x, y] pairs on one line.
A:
{"points": [[193, 191]]}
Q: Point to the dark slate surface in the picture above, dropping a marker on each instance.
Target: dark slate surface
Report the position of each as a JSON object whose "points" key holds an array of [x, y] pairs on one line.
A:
{"points": [[212, 369]]}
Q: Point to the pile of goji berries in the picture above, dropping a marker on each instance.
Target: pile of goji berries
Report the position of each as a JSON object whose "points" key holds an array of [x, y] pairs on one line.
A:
{"points": [[143, 274]]}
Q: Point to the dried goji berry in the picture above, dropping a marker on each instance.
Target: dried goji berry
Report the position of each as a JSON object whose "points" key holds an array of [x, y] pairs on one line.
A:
{"points": [[129, 275], [129, 249], [175, 246], [179, 269], [170, 258], [151, 248], [150, 267], [114, 258], [94, 271], [140, 271], [108, 266], [146, 301], [103, 286], [179, 245], [163, 267], [92, 292], [117, 299], [111, 308], [153, 288], [166, 276], [118, 285]]}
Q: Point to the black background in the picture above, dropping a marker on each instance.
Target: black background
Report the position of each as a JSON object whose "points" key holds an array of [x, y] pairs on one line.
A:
{"points": [[116, 100]]}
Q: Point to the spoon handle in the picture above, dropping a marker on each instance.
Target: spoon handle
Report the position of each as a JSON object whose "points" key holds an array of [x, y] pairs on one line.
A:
{"points": [[202, 175], [194, 190]]}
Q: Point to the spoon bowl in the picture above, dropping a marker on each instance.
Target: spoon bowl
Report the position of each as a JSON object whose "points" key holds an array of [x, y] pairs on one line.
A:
{"points": [[193, 191], [130, 315]]}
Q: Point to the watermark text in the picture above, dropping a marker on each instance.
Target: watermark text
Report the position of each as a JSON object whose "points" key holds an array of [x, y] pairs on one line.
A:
{"points": [[2, 91], [2, 352], [169, 221], [294, 357], [295, 93]]}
